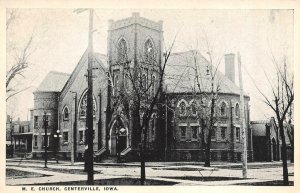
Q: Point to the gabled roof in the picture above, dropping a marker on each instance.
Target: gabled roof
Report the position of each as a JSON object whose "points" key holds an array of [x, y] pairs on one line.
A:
{"points": [[53, 82], [180, 74], [100, 62], [57, 81]]}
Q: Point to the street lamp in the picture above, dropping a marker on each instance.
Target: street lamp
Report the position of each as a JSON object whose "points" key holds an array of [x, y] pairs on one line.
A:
{"points": [[46, 124], [57, 135]]}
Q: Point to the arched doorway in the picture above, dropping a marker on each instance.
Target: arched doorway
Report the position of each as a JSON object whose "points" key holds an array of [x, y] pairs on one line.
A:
{"points": [[118, 137], [274, 148]]}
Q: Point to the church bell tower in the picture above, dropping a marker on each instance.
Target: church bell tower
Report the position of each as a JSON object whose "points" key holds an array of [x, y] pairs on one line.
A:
{"points": [[134, 50]]}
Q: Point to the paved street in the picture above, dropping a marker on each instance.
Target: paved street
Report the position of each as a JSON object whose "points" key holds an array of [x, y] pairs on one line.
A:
{"points": [[183, 173]]}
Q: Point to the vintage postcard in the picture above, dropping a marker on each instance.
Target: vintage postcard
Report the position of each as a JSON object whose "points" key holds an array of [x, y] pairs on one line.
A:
{"points": [[174, 96]]}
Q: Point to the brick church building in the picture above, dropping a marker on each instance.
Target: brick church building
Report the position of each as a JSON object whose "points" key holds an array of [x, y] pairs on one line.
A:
{"points": [[174, 132]]}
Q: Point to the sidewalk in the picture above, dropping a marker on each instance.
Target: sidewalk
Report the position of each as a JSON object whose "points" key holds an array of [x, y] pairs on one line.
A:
{"points": [[165, 171], [152, 164]]}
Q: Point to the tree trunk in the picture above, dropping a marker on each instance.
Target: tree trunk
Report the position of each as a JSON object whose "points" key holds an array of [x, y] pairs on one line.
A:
{"points": [[284, 156], [211, 123], [143, 172], [207, 156], [277, 147], [203, 145]]}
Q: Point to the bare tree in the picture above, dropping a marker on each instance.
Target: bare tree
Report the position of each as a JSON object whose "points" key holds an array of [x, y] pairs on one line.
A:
{"points": [[15, 70], [281, 102], [137, 91], [207, 114], [204, 90]]}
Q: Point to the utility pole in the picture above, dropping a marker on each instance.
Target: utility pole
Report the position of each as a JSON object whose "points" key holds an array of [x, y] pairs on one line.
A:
{"points": [[166, 131], [242, 118], [74, 132], [89, 109], [75, 128], [89, 112]]}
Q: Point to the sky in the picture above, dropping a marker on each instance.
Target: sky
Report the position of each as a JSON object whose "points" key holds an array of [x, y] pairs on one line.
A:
{"points": [[61, 36]]}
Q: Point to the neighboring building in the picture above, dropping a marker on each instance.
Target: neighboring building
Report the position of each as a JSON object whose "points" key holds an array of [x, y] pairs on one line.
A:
{"points": [[267, 141], [8, 130], [62, 97], [8, 136], [18, 137]]}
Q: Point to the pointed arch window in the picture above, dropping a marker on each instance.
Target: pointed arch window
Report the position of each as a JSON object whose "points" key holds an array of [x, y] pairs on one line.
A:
{"points": [[144, 81], [83, 106], [237, 110], [153, 126], [122, 51], [223, 109], [66, 113], [182, 108], [126, 81], [149, 51], [116, 82]]}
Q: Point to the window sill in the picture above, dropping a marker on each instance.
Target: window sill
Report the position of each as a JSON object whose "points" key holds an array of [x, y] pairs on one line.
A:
{"points": [[65, 143], [66, 119], [84, 117]]}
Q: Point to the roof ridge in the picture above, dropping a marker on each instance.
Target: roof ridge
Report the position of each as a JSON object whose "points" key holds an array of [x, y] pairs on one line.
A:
{"points": [[57, 72], [182, 52]]}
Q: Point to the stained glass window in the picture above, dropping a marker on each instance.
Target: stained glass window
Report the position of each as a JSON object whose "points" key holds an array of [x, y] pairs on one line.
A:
{"points": [[149, 51], [223, 109], [122, 51], [182, 107], [66, 113], [144, 81], [116, 82], [83, 105], [237, 110]]}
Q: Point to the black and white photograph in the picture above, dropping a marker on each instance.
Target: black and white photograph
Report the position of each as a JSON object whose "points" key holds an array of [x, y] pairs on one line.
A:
{"points": [[102, 98]]}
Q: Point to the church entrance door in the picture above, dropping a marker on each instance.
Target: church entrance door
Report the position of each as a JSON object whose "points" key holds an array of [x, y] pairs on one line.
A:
{"points": [[118, 139]]}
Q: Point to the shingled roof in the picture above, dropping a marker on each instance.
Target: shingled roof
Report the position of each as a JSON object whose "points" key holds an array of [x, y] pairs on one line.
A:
{"points": [[56, 81], [53, 82], [180, 74]]}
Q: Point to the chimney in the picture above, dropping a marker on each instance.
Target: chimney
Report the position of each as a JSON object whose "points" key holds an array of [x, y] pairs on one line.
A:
{"points": [[229, 67]]}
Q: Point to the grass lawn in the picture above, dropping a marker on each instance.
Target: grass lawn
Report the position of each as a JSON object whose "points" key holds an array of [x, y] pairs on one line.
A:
{"points": [[14, 174], [113, 181], [61, 170], [70, 171]]}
